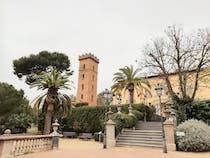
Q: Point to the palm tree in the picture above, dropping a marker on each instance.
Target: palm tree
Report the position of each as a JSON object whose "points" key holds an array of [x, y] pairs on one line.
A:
{"points": [[127, 79], [52, 101]]}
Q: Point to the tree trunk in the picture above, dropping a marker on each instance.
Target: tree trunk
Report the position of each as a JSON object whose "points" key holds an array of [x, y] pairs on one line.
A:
{"points": [[131, 97], [48, 119], [51, 100], [130, 88]]}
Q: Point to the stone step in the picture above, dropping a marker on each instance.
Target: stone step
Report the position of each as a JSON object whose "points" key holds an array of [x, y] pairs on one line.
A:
{"points": [[142, 131], [149, 123], [146, 134], [141, 134], [141, 145], [141, 138], [149, 128], [140, 142]]}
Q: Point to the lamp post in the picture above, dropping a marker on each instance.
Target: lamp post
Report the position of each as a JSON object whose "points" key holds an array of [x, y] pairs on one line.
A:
{"points": [[158, 89], [108, 99]]}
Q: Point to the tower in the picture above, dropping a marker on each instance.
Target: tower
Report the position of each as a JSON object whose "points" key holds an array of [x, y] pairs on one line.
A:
{"points": [[87, 79]]}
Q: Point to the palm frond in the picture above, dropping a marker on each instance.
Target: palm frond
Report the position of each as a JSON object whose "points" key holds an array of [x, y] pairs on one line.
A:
{"points": [[127, 76]]}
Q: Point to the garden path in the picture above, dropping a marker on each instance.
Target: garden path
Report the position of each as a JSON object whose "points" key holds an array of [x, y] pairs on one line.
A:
{"points": [[89, 149]]}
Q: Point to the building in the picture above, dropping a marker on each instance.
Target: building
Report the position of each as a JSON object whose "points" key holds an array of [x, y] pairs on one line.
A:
{"points": [[87, 79], [203, 92]]}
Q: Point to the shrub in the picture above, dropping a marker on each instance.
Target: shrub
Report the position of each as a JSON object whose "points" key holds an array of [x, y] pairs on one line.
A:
{"points": [[186, 109], [139, 115], [197, 136], [124, 121], [199, 110], [148, 110], [18, 123], [91, 119], [81, 104]]}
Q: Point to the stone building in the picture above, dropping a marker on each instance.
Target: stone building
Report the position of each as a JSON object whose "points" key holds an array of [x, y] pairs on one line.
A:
{"points": [[203, 92], [87, 79]]}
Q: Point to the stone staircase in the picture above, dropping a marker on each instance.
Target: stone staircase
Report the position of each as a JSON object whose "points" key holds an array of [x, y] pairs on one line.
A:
{"points": [[146, 134]]}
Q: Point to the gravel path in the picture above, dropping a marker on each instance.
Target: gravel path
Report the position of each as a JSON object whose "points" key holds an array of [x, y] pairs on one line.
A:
{"points": [[74, 148]]}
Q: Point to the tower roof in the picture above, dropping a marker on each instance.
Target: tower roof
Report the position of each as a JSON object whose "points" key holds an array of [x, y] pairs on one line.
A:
{"points": [[88, 55]]}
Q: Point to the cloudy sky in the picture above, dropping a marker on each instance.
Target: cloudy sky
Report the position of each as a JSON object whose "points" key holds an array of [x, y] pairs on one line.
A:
{"points": [[114, 30]]}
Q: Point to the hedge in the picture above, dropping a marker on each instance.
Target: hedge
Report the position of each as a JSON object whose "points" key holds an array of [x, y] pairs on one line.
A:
{"points": [[186, 109], [91, 119], [199, 110]]}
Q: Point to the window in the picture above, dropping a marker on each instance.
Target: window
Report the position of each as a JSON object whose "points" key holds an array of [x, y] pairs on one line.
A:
{"points": [[83, 76], [93, 67], [82, 96], [83, 66], [92, 87], [82, 86], [91, 97]]}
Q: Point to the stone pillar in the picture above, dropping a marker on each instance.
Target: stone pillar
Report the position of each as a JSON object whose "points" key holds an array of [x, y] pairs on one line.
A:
{"points": [[56, 135], [110, 134], [5, 149], [130, 110], [169, 134], [5, 146]]}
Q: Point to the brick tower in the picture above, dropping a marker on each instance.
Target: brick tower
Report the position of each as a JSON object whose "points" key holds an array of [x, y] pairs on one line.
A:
{"points": [[87, 79]]}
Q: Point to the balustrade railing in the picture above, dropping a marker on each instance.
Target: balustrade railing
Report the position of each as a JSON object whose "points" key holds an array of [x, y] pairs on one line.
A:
{"points": [[12, 145]]}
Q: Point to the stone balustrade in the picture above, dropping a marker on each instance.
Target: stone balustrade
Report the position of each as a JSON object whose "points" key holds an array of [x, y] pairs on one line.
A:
{"points": [[13, 145]]}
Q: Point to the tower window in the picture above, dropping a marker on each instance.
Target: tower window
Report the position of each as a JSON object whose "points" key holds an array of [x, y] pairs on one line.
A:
{"points": [[83, 76], [83, 66], [82, 96], [82, 86], [91, 97]]}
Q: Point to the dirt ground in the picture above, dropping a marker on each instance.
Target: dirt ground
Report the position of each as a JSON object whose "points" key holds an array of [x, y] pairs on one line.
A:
{"points": [[75, 148]]}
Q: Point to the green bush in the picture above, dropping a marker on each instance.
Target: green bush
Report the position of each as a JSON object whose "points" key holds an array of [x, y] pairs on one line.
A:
{"points": [[197, 136], [139, 115], [15, 112], [199, 110], [186, 109], [91, 119], [124, 121], [18, 123], [81, 104], [148, 110]]}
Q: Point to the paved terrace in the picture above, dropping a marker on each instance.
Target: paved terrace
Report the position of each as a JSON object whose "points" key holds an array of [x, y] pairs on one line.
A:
{"points": [[89, 149]]}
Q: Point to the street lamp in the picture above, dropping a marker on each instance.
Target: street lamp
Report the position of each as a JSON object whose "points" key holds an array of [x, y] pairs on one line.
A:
{"points": [[108, 99], [158, 89]]}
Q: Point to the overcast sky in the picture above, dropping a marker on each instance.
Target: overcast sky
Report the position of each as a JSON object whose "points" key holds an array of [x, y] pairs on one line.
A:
{"points": [[114, 30]]}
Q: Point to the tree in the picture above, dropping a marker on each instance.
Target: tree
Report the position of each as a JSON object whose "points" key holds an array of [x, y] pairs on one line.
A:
{"points": [[52, 102], [100, 99], [13, 104], [185, 55], [11, 100], [35, 64], [128, 79]]}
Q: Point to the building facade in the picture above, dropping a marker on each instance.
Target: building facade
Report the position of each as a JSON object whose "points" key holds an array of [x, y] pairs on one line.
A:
{"points": [[87, 79], [203, 92]]}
